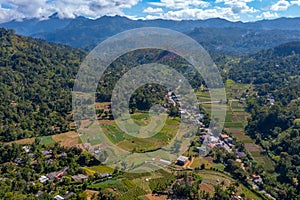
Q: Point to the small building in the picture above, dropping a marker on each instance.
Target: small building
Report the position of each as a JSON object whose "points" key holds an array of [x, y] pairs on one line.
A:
{"points": [[79, 177], [202, 150], [31, 155], [224, 136], [62, 155], [181, 160], [241, 154], [201, 116], [104, 175], [97, 152], [58, 197], [43, 179], [39, 193], [211, 145], [213, 139], [52, 176], [26, 149], [68, 195], [19, 161], [257, 178], [47, 154]]}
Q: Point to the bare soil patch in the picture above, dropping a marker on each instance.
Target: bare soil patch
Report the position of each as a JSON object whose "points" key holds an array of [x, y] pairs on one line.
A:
{"points": [[68, 139]]}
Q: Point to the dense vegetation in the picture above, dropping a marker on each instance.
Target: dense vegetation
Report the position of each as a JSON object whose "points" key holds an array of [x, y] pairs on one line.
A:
{"points": [[37, 78], [275, 110], [35, 84], [273, 67], [20, 171]]}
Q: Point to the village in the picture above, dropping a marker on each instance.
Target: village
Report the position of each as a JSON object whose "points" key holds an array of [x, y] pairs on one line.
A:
{"points": [[206, 138]]}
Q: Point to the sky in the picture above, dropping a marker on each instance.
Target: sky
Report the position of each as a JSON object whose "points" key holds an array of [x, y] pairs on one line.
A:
{"points": [[233, 10]]}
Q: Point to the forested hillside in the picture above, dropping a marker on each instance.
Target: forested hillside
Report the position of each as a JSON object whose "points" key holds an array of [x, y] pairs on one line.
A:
{"points": [[272, 67], [35, 83], [275, 110], [37, 78]]}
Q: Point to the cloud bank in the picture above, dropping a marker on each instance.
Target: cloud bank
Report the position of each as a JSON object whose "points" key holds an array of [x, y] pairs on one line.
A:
{"points": [[234, 10]]}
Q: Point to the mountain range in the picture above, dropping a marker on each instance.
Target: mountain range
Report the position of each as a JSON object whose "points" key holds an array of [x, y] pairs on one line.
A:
{"points": [[216, 35]]}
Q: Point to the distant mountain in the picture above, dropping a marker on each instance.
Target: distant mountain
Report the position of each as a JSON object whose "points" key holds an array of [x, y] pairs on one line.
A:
{"points": [[241, 41], [30, 27], [218, 35]]}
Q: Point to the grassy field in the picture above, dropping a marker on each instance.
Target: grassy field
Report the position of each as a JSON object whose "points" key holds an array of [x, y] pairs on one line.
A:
{"points": [[127, 142], [46, 140], [197, 162], [102, 169]]}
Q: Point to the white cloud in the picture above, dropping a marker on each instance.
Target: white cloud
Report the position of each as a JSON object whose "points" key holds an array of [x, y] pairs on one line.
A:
{"points": [[281, 5], [181, 4], [238, 6], [65, 8], [151, 10], [197, 13], [297, 2], [267, 15]]}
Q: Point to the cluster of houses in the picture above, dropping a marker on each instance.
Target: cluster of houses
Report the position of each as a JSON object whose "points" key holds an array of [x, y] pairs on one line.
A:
{"points": [[58, 175], [224, 141], [54, 175]]}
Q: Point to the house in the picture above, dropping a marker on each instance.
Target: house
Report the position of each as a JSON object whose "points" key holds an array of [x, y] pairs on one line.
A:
{"points": [[241, 154], [26, 149], [181, 160], [224, 136], [104, 175], [57, 175], [47, 154], [39, 193], [257, 178], [201, 150], [43, 179], [58, 197], [62, 155], [31, 155], [213, 139], [201, 116], [211, 145], [52, 176], [79, 177], [97, 152], [19, 161], [68, 195]]}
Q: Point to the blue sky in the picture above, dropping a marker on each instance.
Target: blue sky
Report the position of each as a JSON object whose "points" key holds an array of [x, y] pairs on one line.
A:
{"points": [[233, 10]]}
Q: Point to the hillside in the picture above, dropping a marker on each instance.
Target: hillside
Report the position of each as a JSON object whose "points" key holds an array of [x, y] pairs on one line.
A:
{"points": [[273, 66], [36, 77], [275, 108]]}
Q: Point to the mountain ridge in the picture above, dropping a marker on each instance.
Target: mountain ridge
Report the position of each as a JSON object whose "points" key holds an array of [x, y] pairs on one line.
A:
{"points": [[86, 33]]}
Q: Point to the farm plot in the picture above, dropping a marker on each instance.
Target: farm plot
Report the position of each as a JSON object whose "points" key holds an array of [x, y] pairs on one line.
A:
{"points": [[129, 143]]}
